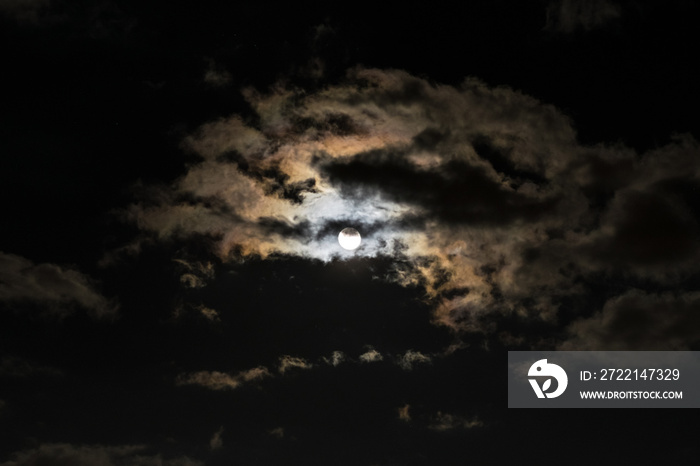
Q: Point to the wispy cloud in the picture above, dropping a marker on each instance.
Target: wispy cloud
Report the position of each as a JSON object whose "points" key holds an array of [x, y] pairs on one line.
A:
{"points": [[215, 380], [216, 441], [444, 421], [567, 16]]}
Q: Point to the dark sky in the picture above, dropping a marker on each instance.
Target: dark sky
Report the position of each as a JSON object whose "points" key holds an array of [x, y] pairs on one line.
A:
{"points": [[524, 175]]}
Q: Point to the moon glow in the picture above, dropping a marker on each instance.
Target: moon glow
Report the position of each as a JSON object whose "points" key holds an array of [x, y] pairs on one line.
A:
{"points": [[349, 239]]}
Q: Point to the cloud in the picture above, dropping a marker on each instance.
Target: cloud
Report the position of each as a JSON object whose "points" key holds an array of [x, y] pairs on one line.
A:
{"points": [[639, 321], [197, 273], [277, 432], [215, 76], [57, 289], [215, 380], [404, 412], [444, 422], [454, 192], [408, 359], [336, 358], [212, 315], [24, 11], [59, 454], [482, 195], [289, 362], [191, 281], [11, 366], [567, 16], [209, 313], [216, 442], [371, 355]]}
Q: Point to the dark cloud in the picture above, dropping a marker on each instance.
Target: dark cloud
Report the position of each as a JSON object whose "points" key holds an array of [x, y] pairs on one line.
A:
{"points": [[275, 182], [503, 163], [640, 321], [60, 454], [25, 11], [216, 441], [541, 205], [59, 289], [568, 16], [195, 274], [11, 366], [650, 229], [285, 228], [456, 192], [215, 76]]}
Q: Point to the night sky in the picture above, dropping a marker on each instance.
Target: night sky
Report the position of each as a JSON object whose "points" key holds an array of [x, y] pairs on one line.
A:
{"points": [[525, 175]]}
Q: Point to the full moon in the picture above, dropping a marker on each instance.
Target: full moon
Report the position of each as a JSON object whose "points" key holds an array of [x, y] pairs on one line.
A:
{"points": [[349, 239]]}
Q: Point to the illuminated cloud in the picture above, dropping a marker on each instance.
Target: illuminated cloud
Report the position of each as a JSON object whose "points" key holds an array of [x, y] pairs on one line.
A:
{"points": [[408, 359], [59, 289], [289, 362], [209, 313], [337, 357], [371, 355], [215, 380], [191, 281], [482, 195]]}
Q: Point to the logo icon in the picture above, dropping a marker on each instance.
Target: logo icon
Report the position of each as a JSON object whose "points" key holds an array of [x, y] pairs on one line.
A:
{"points": [[543, 369]]}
